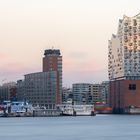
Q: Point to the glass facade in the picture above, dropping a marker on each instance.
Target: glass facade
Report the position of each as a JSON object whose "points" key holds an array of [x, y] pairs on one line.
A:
{"points": [[40, 88]]}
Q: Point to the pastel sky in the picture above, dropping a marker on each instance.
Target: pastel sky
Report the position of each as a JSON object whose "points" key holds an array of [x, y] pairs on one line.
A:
{"points": [[80, 28]]}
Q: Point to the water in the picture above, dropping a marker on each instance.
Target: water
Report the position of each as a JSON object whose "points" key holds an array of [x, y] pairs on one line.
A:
{"points": [[100, 127]]}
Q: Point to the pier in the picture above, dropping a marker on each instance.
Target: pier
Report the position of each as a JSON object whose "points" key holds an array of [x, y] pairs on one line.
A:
{"points": [[46, 113]]}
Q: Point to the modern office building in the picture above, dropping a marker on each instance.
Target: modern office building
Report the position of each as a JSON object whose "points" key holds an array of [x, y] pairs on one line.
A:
{"points": [[85, 93], [105, 92], [52, 61], [44, 88], [8, 91], [95, 92], [124, 65], [21, 90], [41, 89], [81, 93]]}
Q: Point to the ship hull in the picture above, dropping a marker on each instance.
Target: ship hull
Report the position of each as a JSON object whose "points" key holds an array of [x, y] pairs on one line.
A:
{"points": [[77, 110]]}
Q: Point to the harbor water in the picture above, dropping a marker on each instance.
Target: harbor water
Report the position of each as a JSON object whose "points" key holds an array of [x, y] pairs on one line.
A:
{"points": [[100, 127]]}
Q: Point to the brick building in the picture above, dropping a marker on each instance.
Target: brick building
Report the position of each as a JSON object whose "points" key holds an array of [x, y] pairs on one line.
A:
{"points": [[52, 61], [124, 65], [43, 88], [125, 94]]}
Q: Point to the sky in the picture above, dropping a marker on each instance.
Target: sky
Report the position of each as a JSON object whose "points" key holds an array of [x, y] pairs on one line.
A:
{"points": [[79, 28]]}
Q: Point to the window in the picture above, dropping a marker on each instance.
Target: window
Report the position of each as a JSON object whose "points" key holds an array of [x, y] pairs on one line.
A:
{"points": [[132, 86]]}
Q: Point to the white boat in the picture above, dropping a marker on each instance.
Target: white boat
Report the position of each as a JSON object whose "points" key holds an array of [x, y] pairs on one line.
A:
{"points": [[76, 110], [17, 108], [21, 108]]}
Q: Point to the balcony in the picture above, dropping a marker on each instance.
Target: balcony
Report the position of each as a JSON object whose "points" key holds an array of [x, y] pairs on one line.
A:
{"points": [[125, 29], [126, 23]]}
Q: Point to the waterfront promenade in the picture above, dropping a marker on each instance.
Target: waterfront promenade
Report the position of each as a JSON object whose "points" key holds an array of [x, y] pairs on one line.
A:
{"points": [[100, 127]]}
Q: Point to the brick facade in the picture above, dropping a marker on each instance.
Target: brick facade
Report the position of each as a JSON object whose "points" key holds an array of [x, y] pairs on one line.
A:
{"points": [[124, 94]]}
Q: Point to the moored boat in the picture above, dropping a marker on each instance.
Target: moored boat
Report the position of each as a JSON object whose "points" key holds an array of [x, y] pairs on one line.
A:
{"points": [[16, 109], [76, 110]]}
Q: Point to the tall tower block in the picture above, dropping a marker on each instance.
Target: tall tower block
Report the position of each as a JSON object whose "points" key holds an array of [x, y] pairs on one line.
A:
{"points": [[52, 61]]}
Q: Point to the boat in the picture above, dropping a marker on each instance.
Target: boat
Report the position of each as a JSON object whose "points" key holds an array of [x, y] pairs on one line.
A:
{"points": [[16, 109], [20, 109], [102, 108], [76, 110]]}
